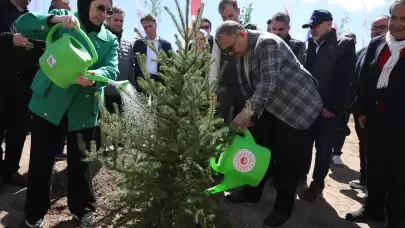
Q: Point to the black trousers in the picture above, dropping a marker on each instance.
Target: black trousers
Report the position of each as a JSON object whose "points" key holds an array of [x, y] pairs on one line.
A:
{"points": [[290, 150], [386, 171], [343, 132], [45, 139], [14, 119], [110, 100], [231, 101], [361, 135]]}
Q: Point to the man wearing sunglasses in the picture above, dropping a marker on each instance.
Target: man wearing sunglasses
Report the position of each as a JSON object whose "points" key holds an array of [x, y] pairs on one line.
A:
{"points": [[283, 103], [331, 60]]}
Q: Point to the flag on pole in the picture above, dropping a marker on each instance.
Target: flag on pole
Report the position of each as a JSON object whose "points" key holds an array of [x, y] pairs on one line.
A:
{"points": [[139, 14], [195, 5], [365, 29], [287, 7], [286, 10], [335, 27]]}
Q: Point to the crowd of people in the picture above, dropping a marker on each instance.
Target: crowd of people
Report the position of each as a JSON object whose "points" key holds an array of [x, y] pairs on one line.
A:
{"points": [[291, 95]]}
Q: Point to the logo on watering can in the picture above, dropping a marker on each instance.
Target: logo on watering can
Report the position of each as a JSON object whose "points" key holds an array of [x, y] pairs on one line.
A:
{"points": [[51, 60], [244, 161]]}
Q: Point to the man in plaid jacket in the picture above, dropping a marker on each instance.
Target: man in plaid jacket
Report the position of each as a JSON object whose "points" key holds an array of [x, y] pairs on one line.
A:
{"points": [[283, 104]]}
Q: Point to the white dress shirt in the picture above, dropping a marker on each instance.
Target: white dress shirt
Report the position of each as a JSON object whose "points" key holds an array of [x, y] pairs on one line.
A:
{"points": [[151, 56]]}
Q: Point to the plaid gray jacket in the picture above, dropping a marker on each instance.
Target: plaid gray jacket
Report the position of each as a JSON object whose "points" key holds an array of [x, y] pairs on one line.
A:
{"points": [[278, 83]]}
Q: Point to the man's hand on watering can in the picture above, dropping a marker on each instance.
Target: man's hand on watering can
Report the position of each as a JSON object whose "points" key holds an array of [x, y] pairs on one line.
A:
{"points": [[21, 41], [83, 81], [243, 119], [68, 21]]}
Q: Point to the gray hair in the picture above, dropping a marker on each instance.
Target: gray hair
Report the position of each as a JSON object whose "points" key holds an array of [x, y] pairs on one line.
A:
{"points": [[222, 4], [229, 28], [396, 2]]}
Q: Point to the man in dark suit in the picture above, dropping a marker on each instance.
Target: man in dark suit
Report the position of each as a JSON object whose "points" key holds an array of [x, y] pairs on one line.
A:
{"points": [[381, 112], [330, 59], [149, 25], [378, 27]]}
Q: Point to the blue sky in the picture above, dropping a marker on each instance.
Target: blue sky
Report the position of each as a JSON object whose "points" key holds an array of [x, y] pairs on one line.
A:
{"points": [[300, 10]]}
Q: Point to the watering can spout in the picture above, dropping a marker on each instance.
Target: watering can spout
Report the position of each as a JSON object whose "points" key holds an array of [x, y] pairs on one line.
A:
{"points": [[119, 85], [224, 186]]}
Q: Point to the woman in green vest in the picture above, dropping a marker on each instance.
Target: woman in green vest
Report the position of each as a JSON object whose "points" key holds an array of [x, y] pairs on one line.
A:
{"points": [[72, 111]]}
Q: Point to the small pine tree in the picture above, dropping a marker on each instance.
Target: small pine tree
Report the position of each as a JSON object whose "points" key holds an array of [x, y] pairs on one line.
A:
{"points": [[155, 7], [163, 168], [344, 21], [246, 13]]}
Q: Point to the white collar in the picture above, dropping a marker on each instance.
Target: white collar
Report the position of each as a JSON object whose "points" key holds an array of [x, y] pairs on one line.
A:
{"points": [[156, 39]]}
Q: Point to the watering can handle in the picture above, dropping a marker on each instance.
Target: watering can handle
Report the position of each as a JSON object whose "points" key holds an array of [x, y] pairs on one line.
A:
{"points": [[248, 136], [49, 41], [214, 164]]}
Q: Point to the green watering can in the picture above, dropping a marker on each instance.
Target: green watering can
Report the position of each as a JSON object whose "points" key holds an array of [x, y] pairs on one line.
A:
{"points": [[243, 162], [66, 58]]}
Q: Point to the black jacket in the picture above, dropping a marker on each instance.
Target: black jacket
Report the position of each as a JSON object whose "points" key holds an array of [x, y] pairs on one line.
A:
{"points": [[298, 48], [393, 96], [333, 66], [16, 60], [355, 83]]}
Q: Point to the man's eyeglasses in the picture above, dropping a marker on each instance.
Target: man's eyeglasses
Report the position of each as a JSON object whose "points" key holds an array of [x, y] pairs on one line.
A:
{"points": [[230, 48], [205, 27], [103, 9]]}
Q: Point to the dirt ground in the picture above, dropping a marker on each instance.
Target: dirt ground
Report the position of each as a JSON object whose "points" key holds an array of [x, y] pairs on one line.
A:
{"points": [[339, 198]]}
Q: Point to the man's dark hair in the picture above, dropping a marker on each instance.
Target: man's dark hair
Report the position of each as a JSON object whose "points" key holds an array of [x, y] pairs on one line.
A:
{"points": [[284, 17], [208, 21], [269, 21], [222, 4], [148, 17], [350, 35], [396, 2], [251, 26]]}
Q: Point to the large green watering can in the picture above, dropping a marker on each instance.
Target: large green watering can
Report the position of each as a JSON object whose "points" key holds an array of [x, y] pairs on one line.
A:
{"points": [[66, 58], [243, 162]]}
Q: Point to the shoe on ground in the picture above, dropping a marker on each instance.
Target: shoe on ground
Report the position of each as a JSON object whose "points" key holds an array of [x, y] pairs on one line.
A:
{"points": [[276, 220], [15, 179], [2, 186], [86, 221], [39, 224], [313, 193], [337, 160], [363, 216], [358, 184], [61, 156], [240, 198]]}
